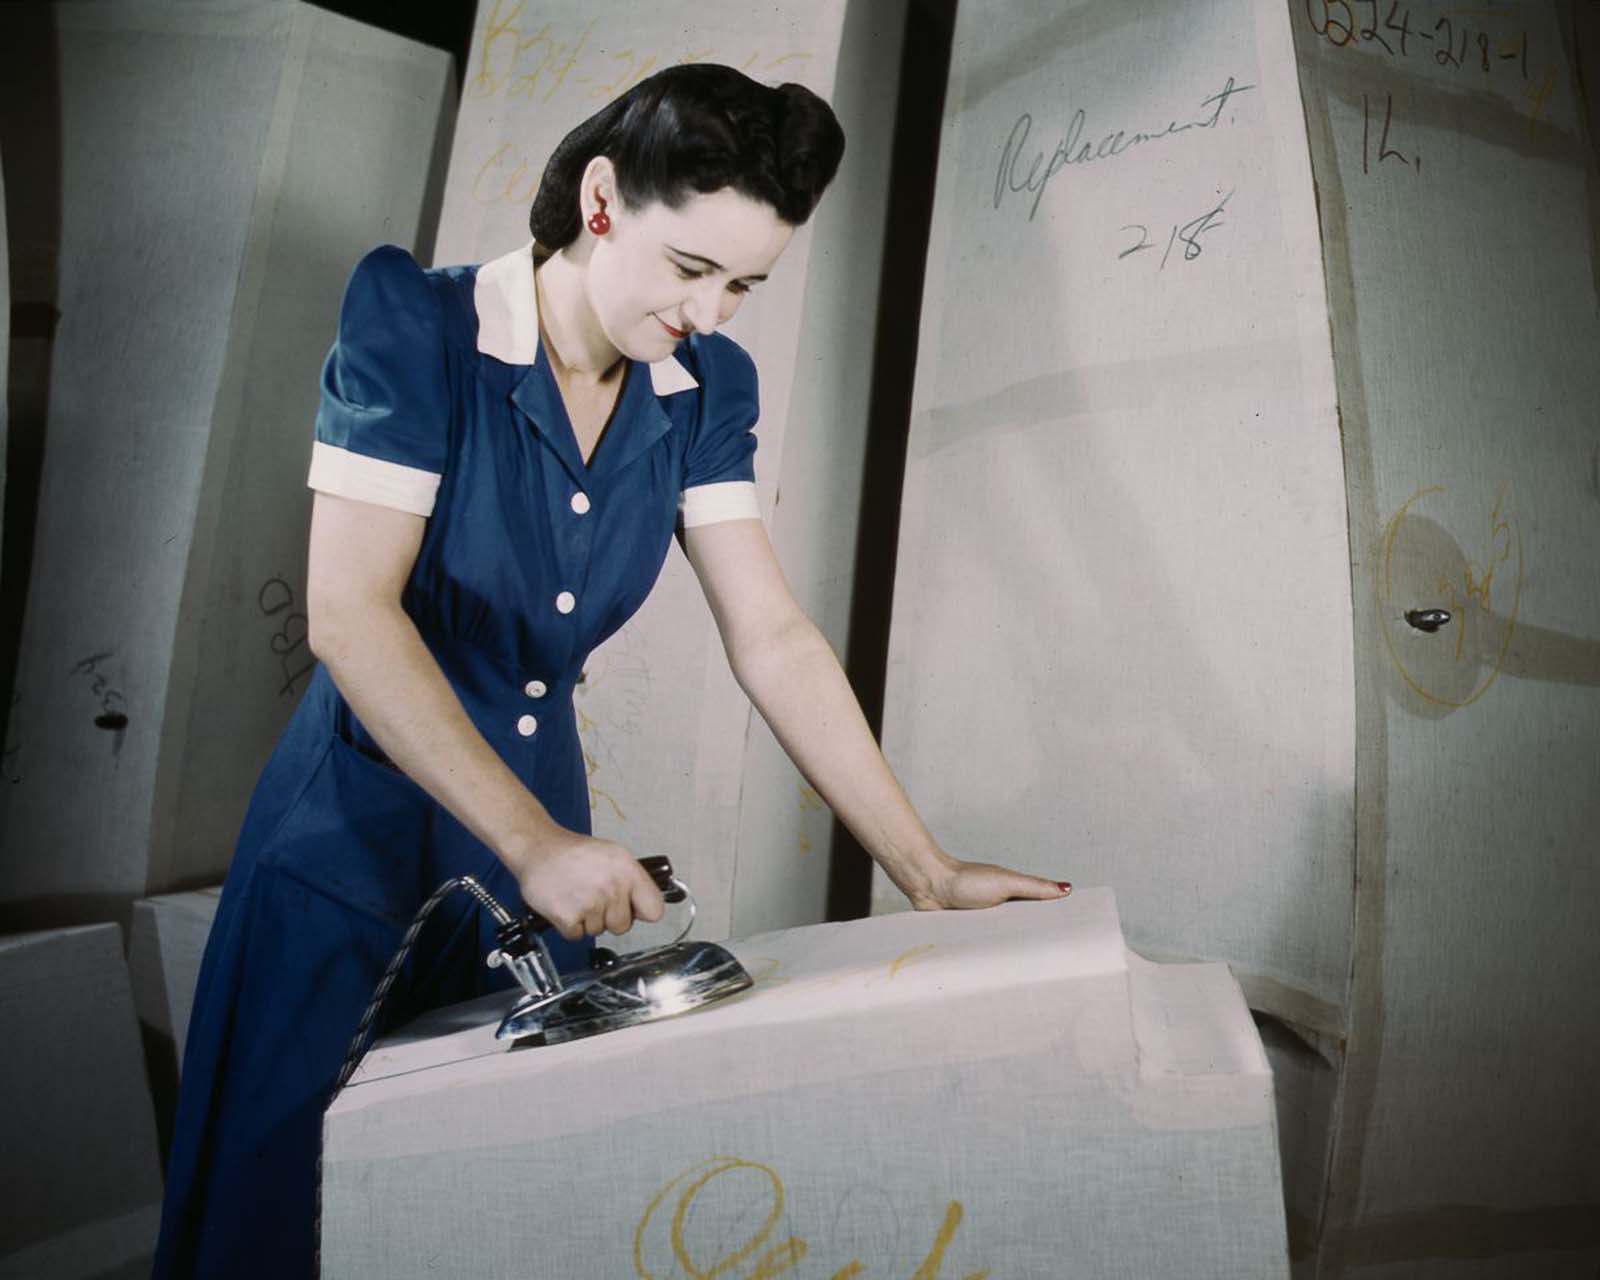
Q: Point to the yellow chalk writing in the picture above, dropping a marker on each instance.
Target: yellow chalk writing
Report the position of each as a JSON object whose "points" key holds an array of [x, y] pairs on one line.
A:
{"points": [[779, 1260], [513, 59], [1539, 97], [810, 802], [1466, 590], [591, 766], [768, 972], [517, 64], [506, 176], [906, 957], [929, 1270]]}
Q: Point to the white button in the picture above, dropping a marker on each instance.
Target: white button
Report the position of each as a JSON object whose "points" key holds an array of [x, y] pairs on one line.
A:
{"points": [[535, 689], [566, 602], [526, 726], [580, 503]]}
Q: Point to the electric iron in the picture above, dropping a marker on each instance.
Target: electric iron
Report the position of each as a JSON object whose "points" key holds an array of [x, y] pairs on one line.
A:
{"points": [[619, 991]]}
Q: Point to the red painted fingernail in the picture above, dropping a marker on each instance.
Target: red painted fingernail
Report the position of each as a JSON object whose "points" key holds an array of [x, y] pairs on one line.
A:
{"points": [[1064, 885]]}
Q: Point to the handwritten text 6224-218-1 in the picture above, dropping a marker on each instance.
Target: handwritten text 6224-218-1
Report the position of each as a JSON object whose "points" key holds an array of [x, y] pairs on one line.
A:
{"points": [[1357, 22], [1398, 33]]}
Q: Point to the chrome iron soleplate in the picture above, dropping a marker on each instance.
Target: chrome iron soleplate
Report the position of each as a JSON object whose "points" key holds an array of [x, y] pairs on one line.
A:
{"points": [[637, 988]]}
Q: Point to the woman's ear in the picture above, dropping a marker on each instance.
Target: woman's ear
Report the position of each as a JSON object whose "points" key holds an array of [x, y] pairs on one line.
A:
{"points": [[597, 190]]}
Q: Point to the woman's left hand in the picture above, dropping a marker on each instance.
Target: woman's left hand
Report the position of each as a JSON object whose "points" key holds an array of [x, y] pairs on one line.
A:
{"points": [[958, 885]]}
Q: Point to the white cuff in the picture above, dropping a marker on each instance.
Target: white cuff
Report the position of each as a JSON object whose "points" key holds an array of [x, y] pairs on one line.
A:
{"points": [[387, 484], [714, 503]]}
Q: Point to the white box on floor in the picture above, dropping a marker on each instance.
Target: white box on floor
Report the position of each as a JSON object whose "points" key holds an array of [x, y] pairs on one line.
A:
{"points": [[80, 1177], [165, 943], [1009, 1093]]}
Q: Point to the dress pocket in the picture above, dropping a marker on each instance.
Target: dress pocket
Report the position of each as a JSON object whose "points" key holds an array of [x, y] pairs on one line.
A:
{"points": [[362, 835]]}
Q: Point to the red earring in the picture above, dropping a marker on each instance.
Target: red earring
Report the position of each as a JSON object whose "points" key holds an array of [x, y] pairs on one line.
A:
{"points": [[600, 222]]}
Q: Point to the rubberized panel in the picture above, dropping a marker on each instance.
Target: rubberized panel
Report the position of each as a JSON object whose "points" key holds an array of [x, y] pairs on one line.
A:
{"points": [[1120, 648], [250, 154], [961, 1094]]}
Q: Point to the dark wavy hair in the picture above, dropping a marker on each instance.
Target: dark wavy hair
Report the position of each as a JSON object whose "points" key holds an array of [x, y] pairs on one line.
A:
{"points": [[697, 128]]}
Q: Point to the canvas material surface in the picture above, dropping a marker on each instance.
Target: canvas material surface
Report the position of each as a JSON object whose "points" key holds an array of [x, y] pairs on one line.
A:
{"points": [[1011, 1092]]}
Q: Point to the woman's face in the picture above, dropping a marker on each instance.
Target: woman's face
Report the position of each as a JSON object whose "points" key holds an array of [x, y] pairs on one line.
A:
{"points": [[660, 274]]}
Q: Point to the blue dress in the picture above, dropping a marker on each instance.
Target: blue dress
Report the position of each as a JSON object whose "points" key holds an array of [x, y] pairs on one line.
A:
{"points": [[436, 399]]}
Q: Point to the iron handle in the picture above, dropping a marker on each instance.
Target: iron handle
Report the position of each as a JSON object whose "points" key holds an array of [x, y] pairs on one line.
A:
{"points": [[660, 871], [523, 952]]}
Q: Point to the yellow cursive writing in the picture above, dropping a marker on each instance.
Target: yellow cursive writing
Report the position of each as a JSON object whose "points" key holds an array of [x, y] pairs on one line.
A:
{"points": [[782, 1258], [505, 177], [507, 60]]}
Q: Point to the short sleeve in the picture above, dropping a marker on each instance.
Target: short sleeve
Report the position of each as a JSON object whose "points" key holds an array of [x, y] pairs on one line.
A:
{"points": [[719, 469], [383, 425]]}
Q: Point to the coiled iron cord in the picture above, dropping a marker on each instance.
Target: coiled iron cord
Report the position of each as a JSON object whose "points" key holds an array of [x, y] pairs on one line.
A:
{"points": [[369, 1019]]}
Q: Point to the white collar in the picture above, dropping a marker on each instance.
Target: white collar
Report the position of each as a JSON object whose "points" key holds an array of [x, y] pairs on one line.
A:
{"points": [[508, 320]]}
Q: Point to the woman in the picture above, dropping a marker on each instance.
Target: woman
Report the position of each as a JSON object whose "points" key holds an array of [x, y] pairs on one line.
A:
{"points": [[502, 456]]}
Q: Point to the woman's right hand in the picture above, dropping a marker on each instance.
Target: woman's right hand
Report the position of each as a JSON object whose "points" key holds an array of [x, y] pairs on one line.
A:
{"points": [[581, 885]]}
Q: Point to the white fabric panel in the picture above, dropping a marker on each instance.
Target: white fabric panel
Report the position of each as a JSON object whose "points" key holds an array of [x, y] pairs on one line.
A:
{"points": [[165, 943], [80, 1157], [785, 832], [388, 484], [1121, 647], [1459, 212], [1008, 1092], [253, 152], [676, 765]]}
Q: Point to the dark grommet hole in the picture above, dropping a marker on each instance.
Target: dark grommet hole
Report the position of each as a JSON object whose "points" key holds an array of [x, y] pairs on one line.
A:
{"points": [[111, 720], [1429, 620]]}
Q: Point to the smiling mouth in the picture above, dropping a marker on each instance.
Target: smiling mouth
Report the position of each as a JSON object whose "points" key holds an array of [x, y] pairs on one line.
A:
{"points": [[678, 334]]}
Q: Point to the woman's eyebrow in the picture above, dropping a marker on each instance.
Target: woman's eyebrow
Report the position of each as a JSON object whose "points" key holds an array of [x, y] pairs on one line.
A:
{"points": [[710, 263], [698, 257]]}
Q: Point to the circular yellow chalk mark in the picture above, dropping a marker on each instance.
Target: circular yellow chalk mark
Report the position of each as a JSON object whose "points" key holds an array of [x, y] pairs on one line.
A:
{"points": [[1422, 566]]}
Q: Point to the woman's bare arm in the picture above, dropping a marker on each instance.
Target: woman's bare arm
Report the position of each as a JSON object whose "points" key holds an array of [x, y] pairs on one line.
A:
{"points": [[791, 674]]}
